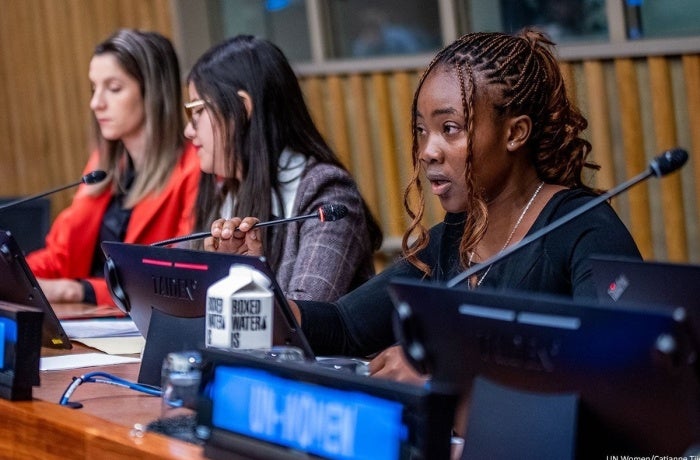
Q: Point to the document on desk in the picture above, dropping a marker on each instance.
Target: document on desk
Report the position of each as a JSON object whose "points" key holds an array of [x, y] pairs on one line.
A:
{"points": [[96, 328], [116, 345], [53, 363], [116, 336]]}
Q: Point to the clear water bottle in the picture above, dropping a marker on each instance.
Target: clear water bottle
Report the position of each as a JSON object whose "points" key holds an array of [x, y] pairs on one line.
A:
{"points": [[181, 376]]}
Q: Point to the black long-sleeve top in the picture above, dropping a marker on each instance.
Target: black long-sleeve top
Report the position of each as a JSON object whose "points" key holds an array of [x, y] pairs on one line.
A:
{"points": [[360, 323]]}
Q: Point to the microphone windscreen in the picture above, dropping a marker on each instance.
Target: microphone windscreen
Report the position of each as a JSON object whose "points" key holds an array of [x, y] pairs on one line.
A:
{"points": [[94, 177], [668, 162], [331, 212]]}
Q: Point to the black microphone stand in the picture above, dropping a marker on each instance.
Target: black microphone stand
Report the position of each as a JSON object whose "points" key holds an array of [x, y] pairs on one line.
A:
{"points": [[664, 164], [90, 178], [34, 197]]}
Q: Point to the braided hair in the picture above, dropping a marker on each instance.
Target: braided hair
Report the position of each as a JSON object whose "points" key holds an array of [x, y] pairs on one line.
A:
{"points": [[525, 73]]}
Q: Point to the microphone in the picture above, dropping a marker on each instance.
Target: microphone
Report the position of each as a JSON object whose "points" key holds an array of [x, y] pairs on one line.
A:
{"points": [[90, 178], [666, 163], [326, 213]]}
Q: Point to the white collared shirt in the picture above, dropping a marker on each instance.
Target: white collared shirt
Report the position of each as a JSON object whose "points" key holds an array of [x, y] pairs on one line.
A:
{"points": [[290, 167]]}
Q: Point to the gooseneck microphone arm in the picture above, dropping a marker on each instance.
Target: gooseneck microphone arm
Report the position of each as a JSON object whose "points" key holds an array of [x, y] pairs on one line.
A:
{"points": [[326, 213], [663, 164], [90, 178]]}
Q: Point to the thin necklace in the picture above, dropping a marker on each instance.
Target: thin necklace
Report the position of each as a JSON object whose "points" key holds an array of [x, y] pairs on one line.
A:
{"points": [[512, 232]]}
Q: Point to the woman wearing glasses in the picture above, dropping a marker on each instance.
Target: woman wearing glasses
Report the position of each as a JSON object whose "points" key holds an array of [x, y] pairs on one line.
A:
{"points": [[262, 156], [152, 175]]}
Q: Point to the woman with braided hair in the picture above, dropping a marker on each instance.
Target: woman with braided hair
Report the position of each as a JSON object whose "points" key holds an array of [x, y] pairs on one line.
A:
{"points": [[496, 138]]}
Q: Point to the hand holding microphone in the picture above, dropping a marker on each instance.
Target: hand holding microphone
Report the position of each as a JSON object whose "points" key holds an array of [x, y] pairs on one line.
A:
{"points": [[326, 213], [242, 235], [236, 236]]}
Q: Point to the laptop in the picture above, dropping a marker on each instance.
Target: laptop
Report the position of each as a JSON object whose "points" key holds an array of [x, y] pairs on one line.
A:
{"points": [[633, 281], [630, 368], [164, 291], [18, 285]]}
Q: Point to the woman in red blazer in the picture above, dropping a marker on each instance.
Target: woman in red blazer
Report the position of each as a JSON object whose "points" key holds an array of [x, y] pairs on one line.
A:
{"points": [[152, 175]]}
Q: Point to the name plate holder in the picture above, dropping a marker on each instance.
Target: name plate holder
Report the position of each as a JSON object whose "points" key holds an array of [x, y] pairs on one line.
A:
{"points": [[20, 350], [256, 408]]}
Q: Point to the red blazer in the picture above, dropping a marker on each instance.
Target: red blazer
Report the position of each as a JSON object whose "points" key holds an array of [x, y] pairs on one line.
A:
{"points": [[70, 244]]}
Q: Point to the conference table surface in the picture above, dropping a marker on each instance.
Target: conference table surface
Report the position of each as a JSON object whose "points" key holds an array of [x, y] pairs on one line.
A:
{"points": [[111, 424]]}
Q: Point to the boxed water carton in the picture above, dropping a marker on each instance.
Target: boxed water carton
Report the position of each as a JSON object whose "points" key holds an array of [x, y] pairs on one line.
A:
{"points": [[239, 310]]}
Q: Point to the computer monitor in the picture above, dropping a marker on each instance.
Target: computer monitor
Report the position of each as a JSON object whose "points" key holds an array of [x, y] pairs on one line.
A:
{"points": [[18, 285], [164, 290], [29, 222], [633, 370]]}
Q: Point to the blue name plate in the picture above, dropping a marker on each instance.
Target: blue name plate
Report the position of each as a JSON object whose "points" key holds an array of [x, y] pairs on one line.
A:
{"points": [[8, 333], [307, 417], [2, 345]]}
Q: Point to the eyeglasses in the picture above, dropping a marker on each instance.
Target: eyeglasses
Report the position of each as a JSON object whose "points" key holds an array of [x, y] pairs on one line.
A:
{"points": [[193, 110]]}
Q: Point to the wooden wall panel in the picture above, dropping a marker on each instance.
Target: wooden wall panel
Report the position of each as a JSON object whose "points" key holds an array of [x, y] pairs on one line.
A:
{"points": [[633, 151], [403, 85], [338, 119], [313, 94], [665, 132], [392, 194], [568, 73], [45, 49], [363, 155], [691, 73], [599, 123]]}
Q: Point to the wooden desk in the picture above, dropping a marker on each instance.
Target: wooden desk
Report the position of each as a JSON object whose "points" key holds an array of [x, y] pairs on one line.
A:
{"points": [[103, 428]]}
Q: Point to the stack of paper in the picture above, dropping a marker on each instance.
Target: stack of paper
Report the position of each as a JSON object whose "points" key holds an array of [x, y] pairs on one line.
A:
{"points": [[112, 336], [93, 328], [53, 363]]}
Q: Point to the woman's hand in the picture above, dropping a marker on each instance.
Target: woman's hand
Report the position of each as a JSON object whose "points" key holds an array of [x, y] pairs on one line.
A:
{"points": [[392, 364], [235, 236], [62, 290]]}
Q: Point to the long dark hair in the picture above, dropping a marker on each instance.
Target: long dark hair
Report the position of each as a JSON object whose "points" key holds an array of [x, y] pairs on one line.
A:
{"points": [[279, 120]]}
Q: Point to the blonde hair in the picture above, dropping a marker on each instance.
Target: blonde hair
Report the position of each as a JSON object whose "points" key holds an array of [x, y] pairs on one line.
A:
{"points": [[151, 59]]}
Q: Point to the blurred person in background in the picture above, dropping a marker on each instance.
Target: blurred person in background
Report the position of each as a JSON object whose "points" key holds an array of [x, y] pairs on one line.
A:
{"points": [[152, 173]]}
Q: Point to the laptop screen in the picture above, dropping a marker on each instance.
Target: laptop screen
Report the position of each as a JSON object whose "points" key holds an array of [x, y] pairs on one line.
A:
{"points": [[628, 280], [631, 367], [18, 285], [167, 287]]}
